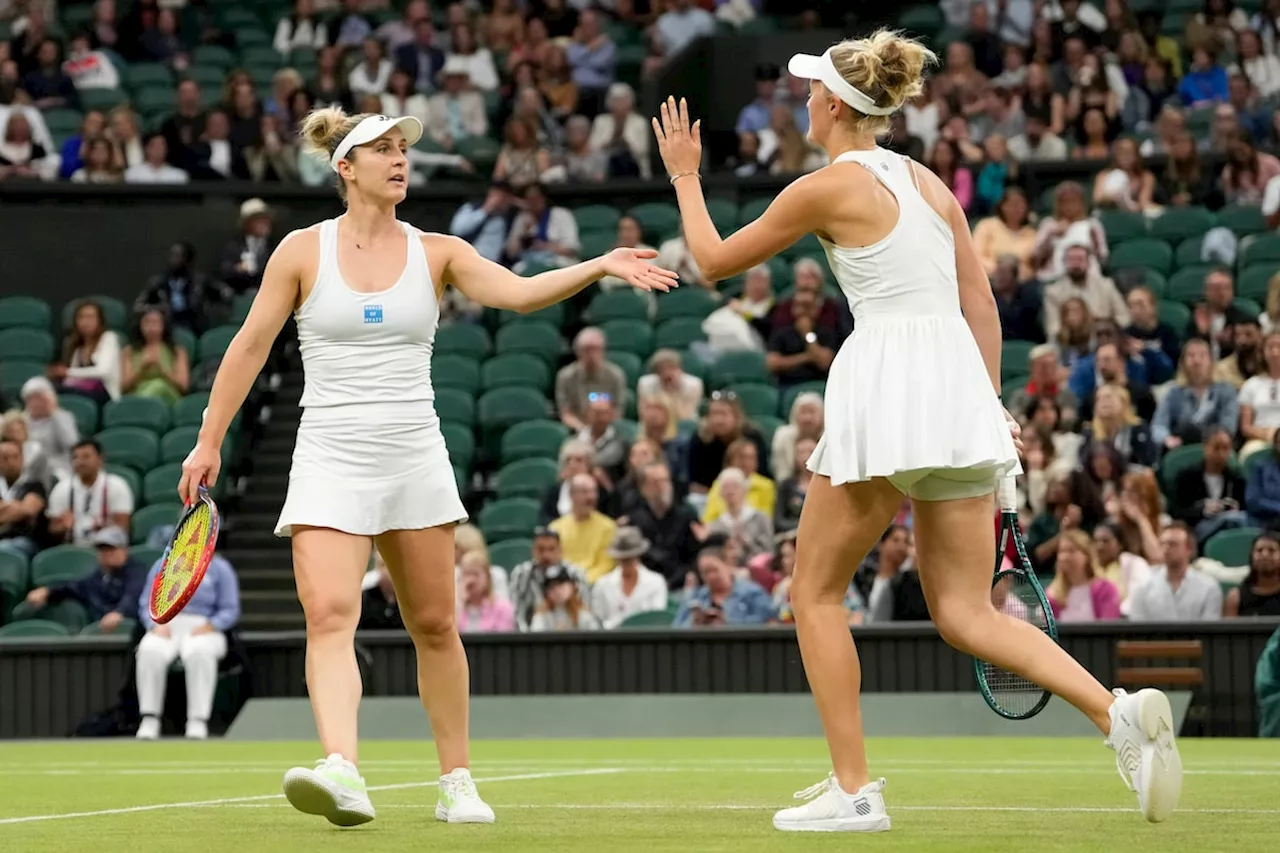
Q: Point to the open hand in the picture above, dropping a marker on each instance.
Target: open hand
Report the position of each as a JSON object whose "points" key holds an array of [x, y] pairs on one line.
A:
{"points": [[679, 142], [633, 267]]}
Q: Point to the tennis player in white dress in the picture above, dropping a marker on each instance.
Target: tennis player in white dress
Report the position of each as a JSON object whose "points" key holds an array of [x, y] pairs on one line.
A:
{"points": [[370, 467], [912, 407]]}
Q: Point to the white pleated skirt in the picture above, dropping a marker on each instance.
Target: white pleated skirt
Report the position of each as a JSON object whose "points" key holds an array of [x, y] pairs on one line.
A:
{"points": [[367, 469], [911, 394]]}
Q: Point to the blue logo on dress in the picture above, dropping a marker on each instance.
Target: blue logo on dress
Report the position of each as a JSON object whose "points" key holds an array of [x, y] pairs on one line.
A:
{"points": [[372, 314]]}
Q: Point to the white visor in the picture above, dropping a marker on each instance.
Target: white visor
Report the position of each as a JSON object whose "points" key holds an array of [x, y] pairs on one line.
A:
{"points": [[372, 128], [809, 67]]}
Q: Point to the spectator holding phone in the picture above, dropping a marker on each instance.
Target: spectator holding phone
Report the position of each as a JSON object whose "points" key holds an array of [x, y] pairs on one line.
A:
{"points": [[723, 599]]}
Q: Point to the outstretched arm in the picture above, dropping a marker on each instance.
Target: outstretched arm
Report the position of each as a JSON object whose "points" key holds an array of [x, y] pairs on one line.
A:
{"points": [[495, 286]]}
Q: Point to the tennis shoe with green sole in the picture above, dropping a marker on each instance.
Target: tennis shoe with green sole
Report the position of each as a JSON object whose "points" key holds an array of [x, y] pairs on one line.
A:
{"points": [[334, 790], [831, 809], [458, 801], [1146, 755]]}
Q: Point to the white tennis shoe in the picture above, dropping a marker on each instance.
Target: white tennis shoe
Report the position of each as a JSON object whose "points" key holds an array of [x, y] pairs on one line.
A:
{"points": [[458, 801], [1146, 755], [334, 789], [830, 809]]}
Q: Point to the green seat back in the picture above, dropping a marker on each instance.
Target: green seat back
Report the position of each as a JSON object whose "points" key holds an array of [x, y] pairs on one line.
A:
{"points": [[1260, 249], [515, 371], [102, 100], [84, 410], [510, 553], [527, 478], [757, 399], [1232, 547], [531, 439], [205, 75], [15, 372], [1177, 460], [1175, 315], [616, 305], [26, 344], [1255, 281], [129, 410], [133, 446], [753, 210], [455, 406], [1187, 284], [1242, 220], [629, 363], [62, 563], [1178, 223], [212, 55], [1188, 252], [214, 343], [532, 338], [505, 407], [741, 366], [1014, 357], [597, 218], [160, 485], [689, 302], [789, 396], [648, 619], [1143, 253], [115, 311], [63, 122], [464, 339], [131, 478], [150, 517], [633, 336], [460, 442], [15, 580], [553, 314], [189, 411], [143, 74], [34, 628], [177, 443], [145, 555], [593, 244], [455, 371], [25, 311], [123, 628], [658, 220], [1122, 225], [678, 333], [724, 215], [508, 518]]}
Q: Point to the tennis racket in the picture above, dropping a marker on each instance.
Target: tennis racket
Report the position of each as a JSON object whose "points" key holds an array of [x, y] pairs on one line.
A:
{"points": [[186, 559], [1015, 592]]}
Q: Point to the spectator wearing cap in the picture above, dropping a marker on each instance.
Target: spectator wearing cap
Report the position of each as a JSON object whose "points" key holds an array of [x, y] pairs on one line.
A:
{"points": [[590, 373], [89, 501], [155, 168], [23, 499], [51, 427], [529, 579], [198, 637], [109, 593], [245, 257], [182, 291], [723, 599], [1082, 280], [594, 58], [562, 607], [755, 116], [630, 588], [485, 224], [585, 532], [457, 111], [671, 527]]}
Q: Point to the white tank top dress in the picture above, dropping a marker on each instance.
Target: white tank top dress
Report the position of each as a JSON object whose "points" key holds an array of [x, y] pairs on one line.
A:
{"points": [[908, 393], [370, 456]]}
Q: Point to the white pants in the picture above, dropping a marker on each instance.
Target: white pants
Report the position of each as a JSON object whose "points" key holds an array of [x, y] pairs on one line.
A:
{"points": [[200, 655]]}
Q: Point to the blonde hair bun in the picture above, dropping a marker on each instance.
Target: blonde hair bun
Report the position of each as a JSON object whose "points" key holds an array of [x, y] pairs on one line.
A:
{"points": [[887, 67]]}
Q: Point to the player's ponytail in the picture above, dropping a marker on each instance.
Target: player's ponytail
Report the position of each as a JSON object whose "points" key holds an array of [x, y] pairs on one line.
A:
{"points": [[887, 67], [323, 129]]}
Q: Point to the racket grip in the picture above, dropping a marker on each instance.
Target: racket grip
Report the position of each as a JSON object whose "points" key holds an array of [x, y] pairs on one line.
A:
{"points": [[1007, 494]]}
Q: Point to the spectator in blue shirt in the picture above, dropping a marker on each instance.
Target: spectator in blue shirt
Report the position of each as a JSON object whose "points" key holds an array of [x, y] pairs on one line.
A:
{"points": [[1196, 404], [722, 599], [110, 593], [594, 58], [1205, 84], [197, 635], [486, 224], [1262, 494], [754, 117]]}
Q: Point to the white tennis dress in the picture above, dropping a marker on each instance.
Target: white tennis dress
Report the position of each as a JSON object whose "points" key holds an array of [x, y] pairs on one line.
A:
{"points": [[908, 395], [370, 456]]}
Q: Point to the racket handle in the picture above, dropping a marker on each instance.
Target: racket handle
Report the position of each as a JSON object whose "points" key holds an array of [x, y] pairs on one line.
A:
{"points": [[1007, 494]]}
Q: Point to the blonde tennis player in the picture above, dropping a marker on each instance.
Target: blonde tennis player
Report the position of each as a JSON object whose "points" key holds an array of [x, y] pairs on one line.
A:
{"points": [[370, 468], [912, 407]]}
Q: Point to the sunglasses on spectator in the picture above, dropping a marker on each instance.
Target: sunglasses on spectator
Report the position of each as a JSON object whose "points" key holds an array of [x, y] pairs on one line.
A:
{"points": [[724, 396], [599, 397]]}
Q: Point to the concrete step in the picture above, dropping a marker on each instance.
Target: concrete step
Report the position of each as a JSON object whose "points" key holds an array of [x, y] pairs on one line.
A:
{"points": [[269, 601], [267, 580], [272, 621]]}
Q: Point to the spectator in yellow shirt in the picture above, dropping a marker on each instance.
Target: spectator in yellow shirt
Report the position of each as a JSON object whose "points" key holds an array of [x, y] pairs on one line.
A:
{"points": [[762, 494], [585, 533]]}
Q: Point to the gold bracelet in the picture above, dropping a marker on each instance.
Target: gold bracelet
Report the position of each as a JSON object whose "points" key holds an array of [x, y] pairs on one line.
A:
{"points": [[683, 175]]}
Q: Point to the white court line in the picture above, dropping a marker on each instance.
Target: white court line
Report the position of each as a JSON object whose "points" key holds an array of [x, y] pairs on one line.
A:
{"points": [[227, 801], [742, 807]]}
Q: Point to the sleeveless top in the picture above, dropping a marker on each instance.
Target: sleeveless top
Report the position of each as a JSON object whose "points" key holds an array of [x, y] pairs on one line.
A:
{"points": [[912, 270], [153, 384], [1252, 604], [368, 348]]}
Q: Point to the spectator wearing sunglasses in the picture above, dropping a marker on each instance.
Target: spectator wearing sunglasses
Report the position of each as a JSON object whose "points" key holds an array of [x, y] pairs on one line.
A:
{"points": [[590, 373], [722, 425], [610, 446]]}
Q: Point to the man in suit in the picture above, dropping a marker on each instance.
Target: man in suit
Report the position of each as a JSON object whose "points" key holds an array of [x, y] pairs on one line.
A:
{"points": [[420, 58], [244, 258]]}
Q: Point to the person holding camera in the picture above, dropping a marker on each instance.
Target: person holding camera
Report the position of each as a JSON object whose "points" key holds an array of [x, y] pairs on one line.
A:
{"points": [[723, 598]]}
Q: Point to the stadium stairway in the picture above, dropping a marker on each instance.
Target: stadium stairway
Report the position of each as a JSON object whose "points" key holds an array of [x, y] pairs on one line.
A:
{"points": [[268, 596]]}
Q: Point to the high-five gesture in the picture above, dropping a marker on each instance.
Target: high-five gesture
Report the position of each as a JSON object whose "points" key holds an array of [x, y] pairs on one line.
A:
{"points": [[679, 142], [633, 267]]}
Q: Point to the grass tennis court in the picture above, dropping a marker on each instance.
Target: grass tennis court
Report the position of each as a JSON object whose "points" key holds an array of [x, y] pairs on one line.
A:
{"points": [[976, 794]]}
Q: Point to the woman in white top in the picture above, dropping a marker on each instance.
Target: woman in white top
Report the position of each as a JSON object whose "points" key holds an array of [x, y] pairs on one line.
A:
{"points": [[90, 364], [370, 467], [1260, 401], [912, 406]]}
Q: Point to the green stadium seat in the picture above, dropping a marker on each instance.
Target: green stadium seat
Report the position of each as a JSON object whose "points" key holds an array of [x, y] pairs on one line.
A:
{"points": [[26, 344], [510, 553], [1013, 358], [455, 406], [14, 373], [658, 220], [789, 396], [1188, 253], [150, 517], [807, 246], [616, 305], [691, 302], [131, 478], [62, 563], [464, 339], [62, 123], [533, 439], [240, 306], [527, 478], [1255, 281], [1179, 223], [515, 371], [69, 613], [1260, 249], [724, 215], [236, 18], [102, 100], [503, 408], [455, 371], [177, 443], [205, 75], [1187, 284], [214, 55], [460, 442], [633, 336], [1142, 253], [596, 243], [679, 333], [649, 619], [25, 312], [480, 151], [160, 485], [143, 74], [123, 628], [553, 314], [926, 21], [131, 410], [1122, 225], [753, 210], [742, 366], [189, 411], [1012, 386], [155, 100], [146, 556], [14, 581], [596, 218], [508, 519], [531, 338], [629, 363], [757, 399], [1177, 460], [1242, 220], [31, 628], [133, 446], [213, 343], [1232, 547], [1247, 306], [1175, 315], [115, 311]]}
